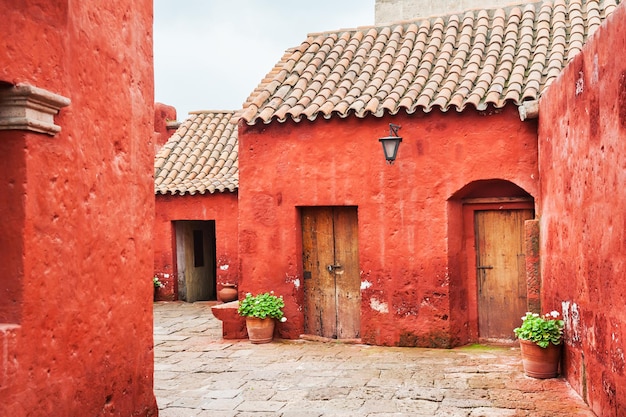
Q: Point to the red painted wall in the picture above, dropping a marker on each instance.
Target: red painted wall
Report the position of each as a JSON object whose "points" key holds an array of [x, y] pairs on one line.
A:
{"points": [[411, 250], [162, 115], [76, 257], [583, 215], [221, 207]]}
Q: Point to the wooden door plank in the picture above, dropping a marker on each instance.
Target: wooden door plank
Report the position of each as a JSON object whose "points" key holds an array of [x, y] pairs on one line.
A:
{"points": [[348, 276], [319, 284]]}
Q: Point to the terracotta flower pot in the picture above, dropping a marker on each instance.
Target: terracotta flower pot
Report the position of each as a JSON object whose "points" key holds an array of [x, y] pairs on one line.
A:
{"points": [[540, 362], [260, 330]]}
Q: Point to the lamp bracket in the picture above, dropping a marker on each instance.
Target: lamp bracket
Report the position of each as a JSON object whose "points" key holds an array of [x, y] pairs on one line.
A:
{"points": [[393, 129]]}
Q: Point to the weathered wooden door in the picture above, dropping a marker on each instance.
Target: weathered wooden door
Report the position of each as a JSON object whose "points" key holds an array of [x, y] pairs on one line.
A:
{"points": [[501, 271], [332, 298], [195, 259]]}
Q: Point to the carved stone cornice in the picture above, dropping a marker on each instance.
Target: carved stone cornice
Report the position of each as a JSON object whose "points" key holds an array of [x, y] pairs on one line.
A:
{"points": [[25, 107]]}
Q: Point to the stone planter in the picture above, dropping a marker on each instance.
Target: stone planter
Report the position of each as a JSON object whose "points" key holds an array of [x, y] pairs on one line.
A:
{"points": [[540, 362]]}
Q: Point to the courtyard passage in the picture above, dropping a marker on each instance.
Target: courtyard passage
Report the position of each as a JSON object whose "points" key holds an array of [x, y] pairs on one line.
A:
{"points": [[197, 373]]}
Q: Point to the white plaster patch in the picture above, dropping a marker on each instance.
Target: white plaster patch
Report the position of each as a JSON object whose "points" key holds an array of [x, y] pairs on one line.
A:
{"points": [[224, 267], [580, 84], [365, 285], [378, 306], [446, 279], [293, 279], [617, 360], [571, 317]]}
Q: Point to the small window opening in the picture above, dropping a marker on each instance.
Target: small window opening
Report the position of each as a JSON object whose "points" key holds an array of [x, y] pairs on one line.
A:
{"points": [[198, 248]]}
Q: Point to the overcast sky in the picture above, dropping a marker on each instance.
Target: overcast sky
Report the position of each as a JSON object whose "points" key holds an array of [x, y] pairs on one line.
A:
{"points": [[211, 54]]}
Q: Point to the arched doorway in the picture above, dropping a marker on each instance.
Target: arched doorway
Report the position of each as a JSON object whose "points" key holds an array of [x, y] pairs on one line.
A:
{"points": [[491, 238]]}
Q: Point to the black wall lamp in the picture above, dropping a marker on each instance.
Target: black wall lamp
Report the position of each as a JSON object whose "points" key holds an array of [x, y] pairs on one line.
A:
{"points": [[391, 143]]}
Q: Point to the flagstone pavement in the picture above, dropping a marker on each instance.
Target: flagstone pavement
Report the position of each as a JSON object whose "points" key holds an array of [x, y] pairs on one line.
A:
{"points": [[198, 374]]}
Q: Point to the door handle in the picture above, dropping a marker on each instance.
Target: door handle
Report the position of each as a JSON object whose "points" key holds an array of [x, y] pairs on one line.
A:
{"points": [[333, 268]]}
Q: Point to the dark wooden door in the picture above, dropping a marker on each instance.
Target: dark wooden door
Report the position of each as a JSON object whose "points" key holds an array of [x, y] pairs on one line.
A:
{"points": [[501, 271], [195, 259], [331, 272]]}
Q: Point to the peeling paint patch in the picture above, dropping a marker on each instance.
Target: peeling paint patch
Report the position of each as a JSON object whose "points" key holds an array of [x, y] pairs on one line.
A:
{"points": [[571, 317], [445, 282], [224, 267], [405, 309], [293, 279], [365, 285], [580, 84], [617, 360], [378, 306]]}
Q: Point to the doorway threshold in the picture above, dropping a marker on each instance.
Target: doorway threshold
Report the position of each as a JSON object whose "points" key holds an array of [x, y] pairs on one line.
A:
{"points": [[315, 338], [489, 341]]}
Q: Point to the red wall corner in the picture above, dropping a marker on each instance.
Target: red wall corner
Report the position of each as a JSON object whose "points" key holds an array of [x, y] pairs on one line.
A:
{"points": [[73, 213], [164, 126], [583, 215], [533, 265]]}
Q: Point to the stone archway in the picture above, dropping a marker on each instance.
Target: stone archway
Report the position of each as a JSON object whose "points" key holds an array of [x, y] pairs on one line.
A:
{"points": [[487, 257]]}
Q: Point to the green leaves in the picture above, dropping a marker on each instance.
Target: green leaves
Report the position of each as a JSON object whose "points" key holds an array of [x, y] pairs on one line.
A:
{"points": [[542, 330], [157, 283], [262, 306]]}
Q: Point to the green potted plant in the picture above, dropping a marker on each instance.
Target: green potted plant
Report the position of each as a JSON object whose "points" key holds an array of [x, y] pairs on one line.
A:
{"points": [[157, 284], [261, 311], [540, 339]]}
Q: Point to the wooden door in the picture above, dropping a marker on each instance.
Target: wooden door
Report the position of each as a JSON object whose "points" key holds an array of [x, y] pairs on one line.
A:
{"points": [[332, 299], [501, 271], [195, 258]]}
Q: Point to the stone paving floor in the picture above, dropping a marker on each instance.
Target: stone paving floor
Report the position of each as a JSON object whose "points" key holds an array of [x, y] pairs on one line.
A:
{"points": [[198, 374]]}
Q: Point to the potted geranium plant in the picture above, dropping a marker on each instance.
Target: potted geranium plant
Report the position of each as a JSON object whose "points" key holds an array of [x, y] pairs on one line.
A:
{"points": [[157, 284], [260, 312], [540, 339]]}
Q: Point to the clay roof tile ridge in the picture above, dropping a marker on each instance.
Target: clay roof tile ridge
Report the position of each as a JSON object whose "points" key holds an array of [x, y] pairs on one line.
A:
{"points": [[507, 51]]}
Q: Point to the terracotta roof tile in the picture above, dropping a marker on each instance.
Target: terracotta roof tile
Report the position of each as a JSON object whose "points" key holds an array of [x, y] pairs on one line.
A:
{"points": [[475, 58], [200, 157]]}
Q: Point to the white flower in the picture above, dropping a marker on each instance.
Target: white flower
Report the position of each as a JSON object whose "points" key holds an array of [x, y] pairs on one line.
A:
{"points": [[554, 314], [283, 319], [535, 315]]}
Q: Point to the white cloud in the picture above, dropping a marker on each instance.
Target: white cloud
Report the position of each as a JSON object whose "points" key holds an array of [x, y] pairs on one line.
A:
{"points": [[210, 54]]}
